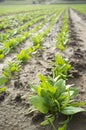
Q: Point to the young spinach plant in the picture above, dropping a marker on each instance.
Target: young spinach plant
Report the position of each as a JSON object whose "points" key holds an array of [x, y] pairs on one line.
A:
{"points": [[53, 96], [61, 67]]}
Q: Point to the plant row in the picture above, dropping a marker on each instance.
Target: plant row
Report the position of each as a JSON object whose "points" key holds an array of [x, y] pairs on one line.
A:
{"points": [[53, 96], [14, 67], [14, 42], [63, 35], [30, 21], [11, 22]]}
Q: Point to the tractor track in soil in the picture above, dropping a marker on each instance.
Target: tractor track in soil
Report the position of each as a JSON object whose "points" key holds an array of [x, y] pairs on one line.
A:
{"points": [[76, 52]]}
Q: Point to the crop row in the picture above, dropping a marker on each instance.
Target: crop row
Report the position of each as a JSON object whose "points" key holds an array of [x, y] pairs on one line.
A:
{"points": [[63, 35], [53, 95], [13, 67], [19, 20], [10, 44]]}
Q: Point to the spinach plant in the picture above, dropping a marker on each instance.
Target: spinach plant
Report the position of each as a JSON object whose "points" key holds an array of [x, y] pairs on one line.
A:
{"points": [[12, 69], [61, 67], [53, 96], [23, 56], [37, 39], [1, 54], [63, 35], [3, 80]]}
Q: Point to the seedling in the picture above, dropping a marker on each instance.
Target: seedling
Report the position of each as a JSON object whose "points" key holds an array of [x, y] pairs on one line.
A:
{"points": [[3, 80], [2, 90], [10, 44], [54, 96], [37, 39], [1, 54], [11, 69], [63, 35], [61, 67], [23, 56], [62, 40], [33, 49], [46, 31]]}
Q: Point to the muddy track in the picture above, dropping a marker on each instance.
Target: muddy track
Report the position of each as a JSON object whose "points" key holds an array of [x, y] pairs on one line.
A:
{"points": [[76, 52], [78, 57], [13, 109]]}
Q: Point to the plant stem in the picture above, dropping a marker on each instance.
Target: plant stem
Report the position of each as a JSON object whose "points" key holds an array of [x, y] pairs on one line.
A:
{"points": [[52, 125]]}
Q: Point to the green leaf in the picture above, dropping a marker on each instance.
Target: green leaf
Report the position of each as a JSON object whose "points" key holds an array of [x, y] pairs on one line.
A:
{"points": [[79, 104], [64, 127], [59, 59], [42, 78], [67, 99], [2, 90], [3, 80], [39, 104], [75, 92], [72, 110], [48, 120], [66, 121], [1, 56], [60, 84]]}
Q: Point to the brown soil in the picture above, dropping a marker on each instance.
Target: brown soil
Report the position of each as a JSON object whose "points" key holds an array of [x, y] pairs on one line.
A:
{"points": [[14, 110], [77, 55]]}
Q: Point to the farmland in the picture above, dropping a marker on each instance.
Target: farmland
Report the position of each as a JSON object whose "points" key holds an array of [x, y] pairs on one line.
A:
{"points": [[43, 67]]}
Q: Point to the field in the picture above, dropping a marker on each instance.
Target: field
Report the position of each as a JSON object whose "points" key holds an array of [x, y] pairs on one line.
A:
{"points": [[43, 67]]}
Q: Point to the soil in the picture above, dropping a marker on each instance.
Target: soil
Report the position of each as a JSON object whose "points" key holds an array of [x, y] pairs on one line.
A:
{"points": [[78, 55], [14, 109]]}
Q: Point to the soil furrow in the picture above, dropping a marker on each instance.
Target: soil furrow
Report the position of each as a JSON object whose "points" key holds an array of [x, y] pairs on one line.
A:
{"points": [[76, 52], [79, 51]]}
